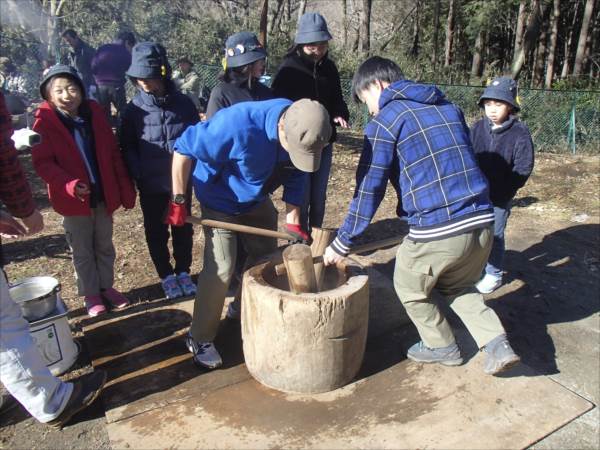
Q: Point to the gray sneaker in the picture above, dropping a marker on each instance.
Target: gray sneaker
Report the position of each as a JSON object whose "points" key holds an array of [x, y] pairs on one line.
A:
{"points": [[499, 356], [448, 356], [205, 353]]}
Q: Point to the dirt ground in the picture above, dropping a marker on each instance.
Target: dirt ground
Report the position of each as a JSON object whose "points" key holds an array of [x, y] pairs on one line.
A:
{"points": [[556, 214]]}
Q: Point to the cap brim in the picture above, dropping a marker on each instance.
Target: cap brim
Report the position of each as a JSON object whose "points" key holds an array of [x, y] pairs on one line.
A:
{"points": [[305, 161]]}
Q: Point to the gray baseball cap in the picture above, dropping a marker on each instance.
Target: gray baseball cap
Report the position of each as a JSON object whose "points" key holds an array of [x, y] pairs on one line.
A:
{"points": [[307, 131]]}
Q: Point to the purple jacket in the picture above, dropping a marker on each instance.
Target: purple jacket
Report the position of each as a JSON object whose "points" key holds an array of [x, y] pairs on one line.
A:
{"points": [[110, 64]]}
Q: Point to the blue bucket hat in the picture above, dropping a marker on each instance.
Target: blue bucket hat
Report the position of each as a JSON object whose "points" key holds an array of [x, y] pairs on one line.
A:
{"points": [[149, 60], [312, 28], [243, 48], [503, 89], [62, 70]]}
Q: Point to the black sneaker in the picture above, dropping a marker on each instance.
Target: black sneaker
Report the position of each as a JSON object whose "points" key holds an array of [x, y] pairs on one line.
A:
{"points": [[85, 390]]}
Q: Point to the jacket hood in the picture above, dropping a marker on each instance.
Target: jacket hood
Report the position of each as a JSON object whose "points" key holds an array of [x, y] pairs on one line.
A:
{"points": [[427, 94]]}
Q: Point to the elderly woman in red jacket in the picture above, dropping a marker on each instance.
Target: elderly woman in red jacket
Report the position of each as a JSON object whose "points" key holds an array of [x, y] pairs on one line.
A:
{"points": [[80, 161]]}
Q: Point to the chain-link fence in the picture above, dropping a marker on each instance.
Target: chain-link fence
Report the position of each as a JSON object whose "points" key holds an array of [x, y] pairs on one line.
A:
{"points": [[559, 121]]}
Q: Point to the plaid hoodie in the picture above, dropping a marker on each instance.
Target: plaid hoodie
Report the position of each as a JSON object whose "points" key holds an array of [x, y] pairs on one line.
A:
{"points": [[420, 142]]}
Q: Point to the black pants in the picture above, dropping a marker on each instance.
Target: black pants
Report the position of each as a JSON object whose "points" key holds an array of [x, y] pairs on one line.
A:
{"points": [[154, 209], [115, 95]]}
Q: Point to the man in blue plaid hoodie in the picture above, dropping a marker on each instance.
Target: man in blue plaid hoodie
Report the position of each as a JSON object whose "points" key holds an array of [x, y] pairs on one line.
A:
{"points": [[419, 141]]}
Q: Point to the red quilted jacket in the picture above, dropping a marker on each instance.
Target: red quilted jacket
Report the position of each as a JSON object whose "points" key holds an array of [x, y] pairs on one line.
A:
{"points": [[59, 163]]}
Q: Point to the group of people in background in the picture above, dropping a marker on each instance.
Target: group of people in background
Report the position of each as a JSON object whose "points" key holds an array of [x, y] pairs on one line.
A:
{"points": [[454, 185]]}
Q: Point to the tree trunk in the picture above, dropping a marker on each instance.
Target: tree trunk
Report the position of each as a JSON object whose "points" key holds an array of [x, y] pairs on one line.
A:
{"points": [[302, 8], [520, 30], [344, 24], [414, 48], [365, 27], [552, 47], [568, 46], [540, 54], [583, 34], [436, 26], [529, 38], [264, 16], [276, 15], [449, 33], [477, 59]]}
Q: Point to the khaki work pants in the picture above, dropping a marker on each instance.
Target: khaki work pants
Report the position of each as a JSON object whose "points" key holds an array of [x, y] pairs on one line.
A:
{"points": [[452, 266], [220, 254], [90, 239]]}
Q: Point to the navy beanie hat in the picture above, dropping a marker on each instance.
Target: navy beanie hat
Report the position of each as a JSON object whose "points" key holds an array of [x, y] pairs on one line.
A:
{"points": [[503, 89], [243, 48], [149, 60], [312, 28], [62, 70]]}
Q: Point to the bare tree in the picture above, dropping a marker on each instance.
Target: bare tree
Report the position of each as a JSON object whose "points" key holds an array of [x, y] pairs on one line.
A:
{"points": [[436, 26], [414, 48], [275, 17], [520, 29], [583, 35], [449, 33], [302, 8], [540, 52], [365, 27], [529, 38], [568, 46], [344, 23], [264, 15], [477, 59], [552, 47]]}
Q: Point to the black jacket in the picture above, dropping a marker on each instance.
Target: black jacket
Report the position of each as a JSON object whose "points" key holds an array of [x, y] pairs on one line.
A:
{"points": [[504, 155], [299, 77], [228, 93]]}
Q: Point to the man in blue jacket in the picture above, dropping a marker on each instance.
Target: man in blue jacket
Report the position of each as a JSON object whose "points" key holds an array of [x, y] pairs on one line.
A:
{"points": [[419, 141], [242, 155]]}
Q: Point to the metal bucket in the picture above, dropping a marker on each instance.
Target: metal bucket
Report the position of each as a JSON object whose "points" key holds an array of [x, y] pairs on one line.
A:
{"points": [[36, 296]]}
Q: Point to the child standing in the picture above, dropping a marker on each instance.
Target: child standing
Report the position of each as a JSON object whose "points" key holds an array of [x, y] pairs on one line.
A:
{"points": [[239, 82], [307, 71], [79, 160], [151, 122], [504, 153]]}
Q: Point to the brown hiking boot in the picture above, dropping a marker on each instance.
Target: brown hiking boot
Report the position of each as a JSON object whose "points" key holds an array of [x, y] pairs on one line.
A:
{"points": [[85, 390]]}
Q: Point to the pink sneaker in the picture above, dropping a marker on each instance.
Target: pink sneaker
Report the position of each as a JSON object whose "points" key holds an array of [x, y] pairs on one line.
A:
{"points": [[94, 305], [115, 298]]}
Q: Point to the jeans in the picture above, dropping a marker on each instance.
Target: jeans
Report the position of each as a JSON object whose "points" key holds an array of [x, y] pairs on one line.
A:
{"points": [[154, 207], [22, 370], [315, 194], [495, 264]]}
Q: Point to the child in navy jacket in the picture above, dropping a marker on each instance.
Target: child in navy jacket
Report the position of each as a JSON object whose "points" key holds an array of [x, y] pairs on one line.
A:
{"points": [[151, 122], [504, 153]]}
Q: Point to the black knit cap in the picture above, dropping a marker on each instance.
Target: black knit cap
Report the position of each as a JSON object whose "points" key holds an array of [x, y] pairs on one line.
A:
{"points": [[64, 71]]}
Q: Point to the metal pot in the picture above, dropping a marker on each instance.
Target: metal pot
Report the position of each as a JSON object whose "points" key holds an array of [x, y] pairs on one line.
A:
{"points": [[36, 296]]}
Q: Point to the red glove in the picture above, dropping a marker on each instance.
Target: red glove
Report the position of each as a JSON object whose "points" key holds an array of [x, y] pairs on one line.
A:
{"points": [[176, 214], [298, 233]]}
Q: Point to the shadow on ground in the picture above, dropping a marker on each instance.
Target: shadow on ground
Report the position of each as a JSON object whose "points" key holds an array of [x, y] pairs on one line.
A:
{"points": [[558, 282]]}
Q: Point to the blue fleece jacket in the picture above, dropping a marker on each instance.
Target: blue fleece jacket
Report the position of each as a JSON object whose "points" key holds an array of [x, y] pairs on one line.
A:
{"points": [[505, 156], [239, 160], [418, 141], [149, 127]]}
